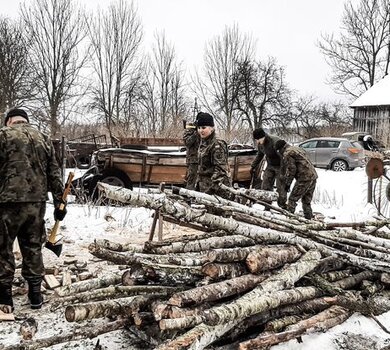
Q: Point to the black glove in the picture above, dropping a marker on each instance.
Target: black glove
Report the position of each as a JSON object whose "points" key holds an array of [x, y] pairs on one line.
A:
{"points": [[287, 188], [60, 211]]}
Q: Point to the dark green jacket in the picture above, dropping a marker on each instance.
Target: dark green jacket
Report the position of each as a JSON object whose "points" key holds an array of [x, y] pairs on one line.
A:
{"points": [[28, 166], [267, 150], [213, 165]]}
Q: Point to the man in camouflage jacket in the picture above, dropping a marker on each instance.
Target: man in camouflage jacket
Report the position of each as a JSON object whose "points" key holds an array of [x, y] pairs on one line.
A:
{"points": [[28, 170], [296, 165], [266, 148], [213, 166], [191, 140]]}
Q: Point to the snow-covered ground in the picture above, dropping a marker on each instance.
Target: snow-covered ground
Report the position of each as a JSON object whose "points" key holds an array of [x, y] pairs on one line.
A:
{"points": [[339, 196]]}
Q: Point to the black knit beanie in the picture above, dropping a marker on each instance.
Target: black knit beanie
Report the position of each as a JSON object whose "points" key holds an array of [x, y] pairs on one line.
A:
{"points": [[16, 112], [258, 134], [204, 119]]}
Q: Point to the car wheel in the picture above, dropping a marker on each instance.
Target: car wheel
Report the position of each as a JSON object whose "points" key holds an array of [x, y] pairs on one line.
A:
{"points": [[339, 165]]}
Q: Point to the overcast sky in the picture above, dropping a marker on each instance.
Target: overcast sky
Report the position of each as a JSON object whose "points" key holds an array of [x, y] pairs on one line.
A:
{"points": [[285, 29]]}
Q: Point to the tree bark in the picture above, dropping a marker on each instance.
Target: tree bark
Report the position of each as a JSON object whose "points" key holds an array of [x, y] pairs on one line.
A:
{"points": [[119, 247], [228, 255], [216, 291], [218, 270], [271, 257]]}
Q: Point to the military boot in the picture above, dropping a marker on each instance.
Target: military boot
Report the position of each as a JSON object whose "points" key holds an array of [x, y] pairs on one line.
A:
{"points": [[34, 293], [6, 303]]}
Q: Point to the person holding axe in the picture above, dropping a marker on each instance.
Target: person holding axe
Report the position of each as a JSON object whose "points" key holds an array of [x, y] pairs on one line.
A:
{"points": [[28, 169]]}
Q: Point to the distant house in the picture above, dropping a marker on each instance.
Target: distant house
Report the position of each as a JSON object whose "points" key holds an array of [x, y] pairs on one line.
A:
{"points": [[372, 111]]}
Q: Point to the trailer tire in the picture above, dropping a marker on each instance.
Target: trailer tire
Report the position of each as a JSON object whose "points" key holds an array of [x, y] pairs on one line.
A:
{"points": [[116, 178]]}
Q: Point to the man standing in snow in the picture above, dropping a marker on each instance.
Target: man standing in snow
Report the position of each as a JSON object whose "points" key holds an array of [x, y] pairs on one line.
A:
{"points": [[266, 148], [28, 169], [213, 162], [296, 165], [191, 140]]}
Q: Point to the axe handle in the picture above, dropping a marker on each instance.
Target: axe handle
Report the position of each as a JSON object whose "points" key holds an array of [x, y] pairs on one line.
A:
{"points": [[54, 230]]}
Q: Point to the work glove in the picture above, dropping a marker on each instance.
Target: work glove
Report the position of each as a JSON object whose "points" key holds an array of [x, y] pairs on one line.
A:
{"points": [[60, 211]]}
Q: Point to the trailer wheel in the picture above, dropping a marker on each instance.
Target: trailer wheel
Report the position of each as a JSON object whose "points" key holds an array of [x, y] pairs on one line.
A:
{"points": [[116, 178]]}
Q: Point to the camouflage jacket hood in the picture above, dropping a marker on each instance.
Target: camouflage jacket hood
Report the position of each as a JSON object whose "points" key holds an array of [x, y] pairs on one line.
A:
{"points": [[28, 167]]}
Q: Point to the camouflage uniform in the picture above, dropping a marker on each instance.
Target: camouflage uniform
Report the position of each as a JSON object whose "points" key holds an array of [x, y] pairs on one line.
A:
{"points": [[296, 164], [271, 173], [28, 169], [213, 166], [191, 140]]}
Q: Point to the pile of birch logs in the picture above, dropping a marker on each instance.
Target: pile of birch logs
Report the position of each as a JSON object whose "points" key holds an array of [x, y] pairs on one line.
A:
{"points": [[249, 279]]}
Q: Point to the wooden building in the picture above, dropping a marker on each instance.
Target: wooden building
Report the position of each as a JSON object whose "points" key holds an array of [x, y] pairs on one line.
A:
{"points": [[372, 111]]}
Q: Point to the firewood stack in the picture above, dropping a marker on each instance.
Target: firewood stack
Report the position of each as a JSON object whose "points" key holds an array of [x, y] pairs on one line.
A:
{"points": [[251, 280]]}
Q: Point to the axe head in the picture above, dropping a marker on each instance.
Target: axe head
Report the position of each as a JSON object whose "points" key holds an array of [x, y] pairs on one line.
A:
{"points": [[55, 248]]}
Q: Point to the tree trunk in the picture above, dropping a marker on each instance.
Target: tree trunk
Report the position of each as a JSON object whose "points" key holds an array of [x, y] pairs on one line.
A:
{"points": [[169, 275], [180, 323], [111, 292], [95, 283], [119, 247], [216, 291], [227, 241], [228, 255], [271, 257], [326, 319], [120, 306]]}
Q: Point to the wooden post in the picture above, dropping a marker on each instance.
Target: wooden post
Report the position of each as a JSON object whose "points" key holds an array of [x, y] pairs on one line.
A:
{"points": [[160, 217], [153, 227], [369, 191]]}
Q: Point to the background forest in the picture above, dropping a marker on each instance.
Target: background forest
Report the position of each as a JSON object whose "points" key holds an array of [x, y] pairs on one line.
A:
{"points": [[80, 72]]}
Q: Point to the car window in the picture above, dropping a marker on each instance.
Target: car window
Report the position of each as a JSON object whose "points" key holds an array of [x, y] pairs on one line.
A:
{"points": [[328, 144], [309, 144], [356, 144]]}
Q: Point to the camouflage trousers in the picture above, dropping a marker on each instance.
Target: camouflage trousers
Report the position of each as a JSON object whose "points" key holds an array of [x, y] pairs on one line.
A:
{"points": [[192, 173], [24, 221], [271, 173], [303, 190]]}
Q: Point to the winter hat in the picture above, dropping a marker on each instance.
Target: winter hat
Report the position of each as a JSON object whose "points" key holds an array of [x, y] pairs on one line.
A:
{"points": [[258, 134], [204, 119], [280, 144], [16, 112]]}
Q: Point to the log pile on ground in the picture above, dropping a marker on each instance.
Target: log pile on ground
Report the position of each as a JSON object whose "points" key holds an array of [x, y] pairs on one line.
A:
{"points": [[249, 280]]}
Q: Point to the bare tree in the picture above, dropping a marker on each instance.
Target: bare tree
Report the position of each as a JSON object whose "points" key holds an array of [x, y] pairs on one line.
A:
{"points": [[217, 87], [164, 100], [55, 31], [263, 96], [115, 37], [360, 57], [15, 71]]}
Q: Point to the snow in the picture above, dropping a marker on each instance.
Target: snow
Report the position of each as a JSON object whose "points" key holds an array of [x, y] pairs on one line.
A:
{"points": [[340, 196], [377, 95]]}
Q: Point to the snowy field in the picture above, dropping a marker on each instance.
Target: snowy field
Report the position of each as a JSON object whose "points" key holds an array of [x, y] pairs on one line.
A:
{"points": [[341, 197]]}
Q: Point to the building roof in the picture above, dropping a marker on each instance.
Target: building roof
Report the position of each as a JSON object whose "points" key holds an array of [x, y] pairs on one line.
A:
{"points": [[377, 95]]}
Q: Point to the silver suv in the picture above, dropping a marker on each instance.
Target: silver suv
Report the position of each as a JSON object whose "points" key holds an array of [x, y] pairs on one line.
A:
{"points": [[334, 153]]}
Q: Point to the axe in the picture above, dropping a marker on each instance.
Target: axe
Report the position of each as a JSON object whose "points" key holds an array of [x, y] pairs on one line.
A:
{"points": [[52, 243]]}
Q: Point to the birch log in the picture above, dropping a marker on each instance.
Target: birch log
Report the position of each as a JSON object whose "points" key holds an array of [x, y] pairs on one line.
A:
{"points": [[95, 283], [231, 226], [256, 300], [120, 306], [229, 270], [271, 257], [216, 291], [326, 319]]}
